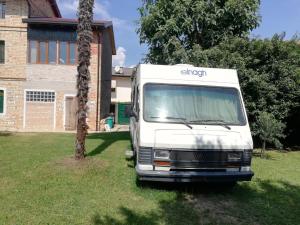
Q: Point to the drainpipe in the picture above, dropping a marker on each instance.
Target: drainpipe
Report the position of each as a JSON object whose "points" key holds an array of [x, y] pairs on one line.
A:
{"points": [[98, 80]]}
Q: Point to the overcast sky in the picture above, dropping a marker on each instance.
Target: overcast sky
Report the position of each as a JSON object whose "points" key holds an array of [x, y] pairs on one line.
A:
{"points": [[277, 16]]}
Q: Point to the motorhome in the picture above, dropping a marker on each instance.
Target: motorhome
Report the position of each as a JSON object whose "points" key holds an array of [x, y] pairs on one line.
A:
{"points": [[189, 124]]}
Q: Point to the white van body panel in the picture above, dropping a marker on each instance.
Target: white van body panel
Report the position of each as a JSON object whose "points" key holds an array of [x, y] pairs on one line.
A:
{"points": [[176, 135]]}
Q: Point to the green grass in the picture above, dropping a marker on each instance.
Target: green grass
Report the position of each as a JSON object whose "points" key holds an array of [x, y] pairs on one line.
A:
{"points": [[41, 184]]}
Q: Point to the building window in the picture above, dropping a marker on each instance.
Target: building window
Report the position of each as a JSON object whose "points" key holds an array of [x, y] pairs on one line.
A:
{"points": [[67, 53], [72, 53], [52, 55], [2, 52], [43, 52], [63, 52], [40, 96], [2, 101], [46, 52], [2, 9], [33, 51]]}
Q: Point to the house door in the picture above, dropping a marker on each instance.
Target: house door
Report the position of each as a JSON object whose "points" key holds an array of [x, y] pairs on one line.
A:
{"points": [[123, 113], [70, 116]]}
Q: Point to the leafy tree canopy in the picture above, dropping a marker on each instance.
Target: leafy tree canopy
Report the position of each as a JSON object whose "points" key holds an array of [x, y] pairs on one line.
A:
{"points": [[170, 28], [269, 73], [214, 33]]}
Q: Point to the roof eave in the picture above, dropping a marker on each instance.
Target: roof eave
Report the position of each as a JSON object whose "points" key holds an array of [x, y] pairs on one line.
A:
{"points": [[112, 39], [56, 9], [49, 21]]}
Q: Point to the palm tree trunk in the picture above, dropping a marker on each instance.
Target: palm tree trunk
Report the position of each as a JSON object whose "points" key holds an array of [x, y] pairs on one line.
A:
{"points": [[84, 39]]}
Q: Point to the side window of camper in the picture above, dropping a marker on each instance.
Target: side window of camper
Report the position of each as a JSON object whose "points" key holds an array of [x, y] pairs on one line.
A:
{"points": [[133, 87], [137, 101]]}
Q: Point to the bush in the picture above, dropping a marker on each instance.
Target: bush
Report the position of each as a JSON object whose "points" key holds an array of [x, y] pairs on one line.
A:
{"points": [[269, 130]]}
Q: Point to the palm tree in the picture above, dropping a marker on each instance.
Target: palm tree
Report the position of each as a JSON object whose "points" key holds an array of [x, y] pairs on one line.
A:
{"points": [[84, 39]]}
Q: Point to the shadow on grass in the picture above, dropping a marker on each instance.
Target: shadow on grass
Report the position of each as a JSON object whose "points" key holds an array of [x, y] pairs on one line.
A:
{"points": [[266, 155], [107, 140], [174, 212], [5, 134], [260, 203]]}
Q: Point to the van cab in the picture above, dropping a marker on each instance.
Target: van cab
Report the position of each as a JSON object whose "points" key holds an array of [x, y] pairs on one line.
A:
{"points": [[189, 124]]}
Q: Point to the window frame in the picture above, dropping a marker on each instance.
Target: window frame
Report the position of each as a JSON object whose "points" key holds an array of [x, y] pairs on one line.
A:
{"points": [[4, 101], [29, 52], [68, 53], [245, 122], [58, 47], [3, 9], [39, 91], [48, 52], [3, 41]]}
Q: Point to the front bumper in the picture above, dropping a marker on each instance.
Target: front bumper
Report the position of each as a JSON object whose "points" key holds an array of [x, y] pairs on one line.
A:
{"points": [[193, 176]]}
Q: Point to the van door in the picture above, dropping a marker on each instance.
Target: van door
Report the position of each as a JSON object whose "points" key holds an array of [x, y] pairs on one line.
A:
{"points": [[134, 119]]}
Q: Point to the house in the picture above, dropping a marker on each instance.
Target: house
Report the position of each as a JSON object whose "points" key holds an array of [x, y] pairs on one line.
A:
{"points": [[38, 57], [121, 94]]}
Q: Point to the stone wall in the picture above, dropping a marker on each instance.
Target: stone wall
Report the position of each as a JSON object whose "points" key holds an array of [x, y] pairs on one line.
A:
{"points": [[12, 72], [14, 33], [58, 78], [93, 115], [16, 76], [12, 119]]}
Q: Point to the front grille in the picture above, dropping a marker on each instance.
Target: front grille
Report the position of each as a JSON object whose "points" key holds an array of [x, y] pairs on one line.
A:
{"points": [[205, 159], [247, 156], [145, 156], [200, 155]]}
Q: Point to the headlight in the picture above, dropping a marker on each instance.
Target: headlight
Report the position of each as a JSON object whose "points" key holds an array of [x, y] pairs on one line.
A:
{"points": [[245, 168], [162, 154], [234, 156]]}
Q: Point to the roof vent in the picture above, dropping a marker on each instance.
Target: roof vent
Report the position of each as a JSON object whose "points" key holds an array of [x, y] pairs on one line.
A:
{"points": [[184, 65]]}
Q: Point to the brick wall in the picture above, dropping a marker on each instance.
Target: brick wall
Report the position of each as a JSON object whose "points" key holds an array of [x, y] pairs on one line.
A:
{"points": [[58, 78], [14, 33], [12, 73], [94, 92], [16, 75], [12, 120]]}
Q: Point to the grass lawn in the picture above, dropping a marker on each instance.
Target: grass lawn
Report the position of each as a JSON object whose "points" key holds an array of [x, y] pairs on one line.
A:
{"points": [[41, 184]]}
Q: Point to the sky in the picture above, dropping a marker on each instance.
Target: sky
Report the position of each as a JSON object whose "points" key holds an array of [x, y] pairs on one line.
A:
{"points": [[277, 16]]}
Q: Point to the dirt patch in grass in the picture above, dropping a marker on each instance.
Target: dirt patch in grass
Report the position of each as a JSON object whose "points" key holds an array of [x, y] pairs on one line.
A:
{"points": [[215, 209], [77, 165]]}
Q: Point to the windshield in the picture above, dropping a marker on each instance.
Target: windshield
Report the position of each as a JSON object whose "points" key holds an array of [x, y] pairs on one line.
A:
{"points": [[194, 104]]}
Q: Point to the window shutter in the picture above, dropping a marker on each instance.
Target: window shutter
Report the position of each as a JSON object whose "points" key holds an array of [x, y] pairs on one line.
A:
{"points": [[1, 101], [2, 51]]}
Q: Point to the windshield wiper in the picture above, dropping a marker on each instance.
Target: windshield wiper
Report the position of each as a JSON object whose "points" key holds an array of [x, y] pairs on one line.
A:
{"points": [[213, 122], [183, 120]]}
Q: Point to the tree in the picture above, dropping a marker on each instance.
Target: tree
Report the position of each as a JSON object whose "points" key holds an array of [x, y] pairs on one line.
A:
{"points": [[268, 71], [85, 36], [172, 29], [269, 130], [216, 34]]}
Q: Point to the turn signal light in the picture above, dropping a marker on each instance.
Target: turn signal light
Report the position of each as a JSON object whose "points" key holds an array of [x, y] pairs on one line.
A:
{"points": [[162, 163]]}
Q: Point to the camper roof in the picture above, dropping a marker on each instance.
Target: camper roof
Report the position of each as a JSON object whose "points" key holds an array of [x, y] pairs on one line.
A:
{"points": [[187, 73]]}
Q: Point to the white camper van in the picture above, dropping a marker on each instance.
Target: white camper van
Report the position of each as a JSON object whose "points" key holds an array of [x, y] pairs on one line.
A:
{"points": [[189, 124]]}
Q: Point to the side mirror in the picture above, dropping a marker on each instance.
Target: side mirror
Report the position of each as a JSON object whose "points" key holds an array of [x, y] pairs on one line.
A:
{"points": [[133, 114]]}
